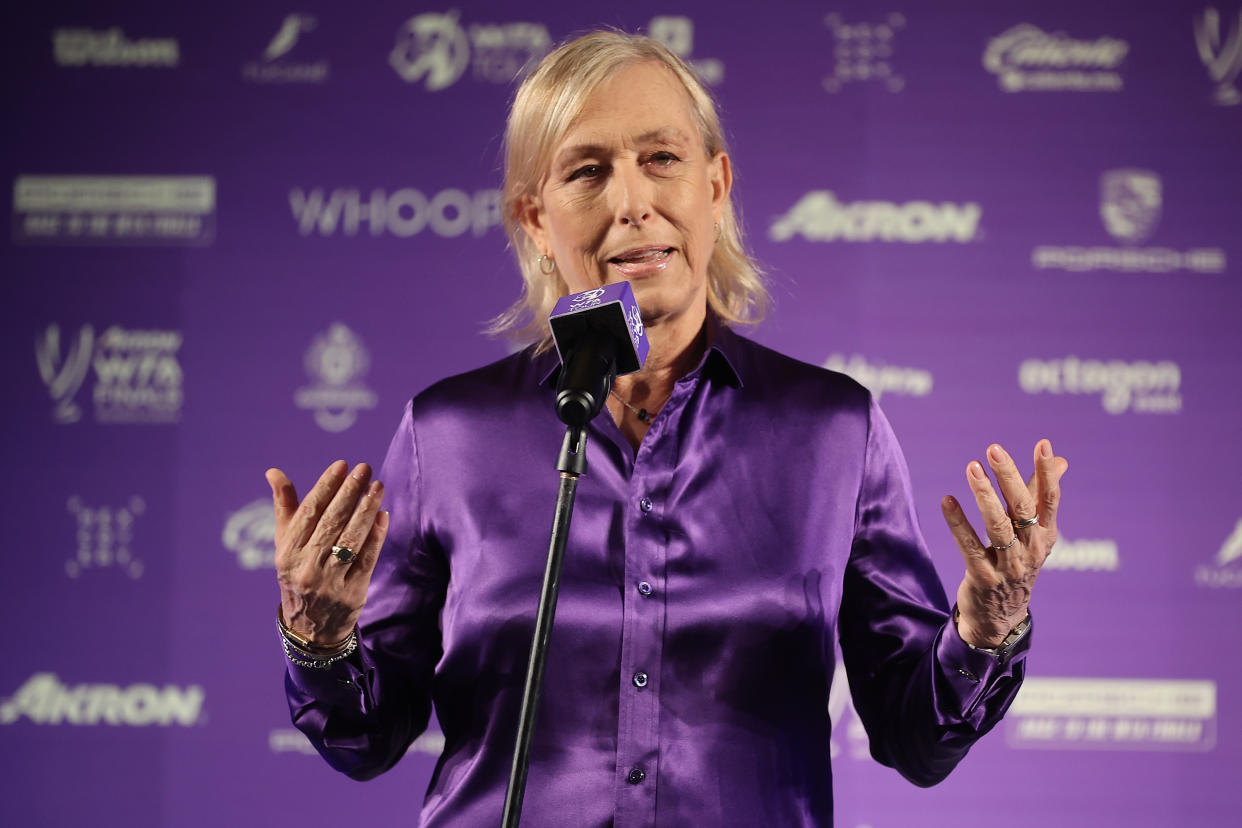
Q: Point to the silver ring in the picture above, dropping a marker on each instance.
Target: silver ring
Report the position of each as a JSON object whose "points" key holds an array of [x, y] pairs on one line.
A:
{"points": [[996, 548], [344, 554], [1026, 522]]}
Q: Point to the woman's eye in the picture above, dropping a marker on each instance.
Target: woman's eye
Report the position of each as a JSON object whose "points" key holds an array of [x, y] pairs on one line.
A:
{"points": [[586, 171], [663, 159]]}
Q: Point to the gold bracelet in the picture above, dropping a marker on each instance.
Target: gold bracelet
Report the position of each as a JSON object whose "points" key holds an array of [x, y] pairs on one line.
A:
{"points": [[305, 643]]}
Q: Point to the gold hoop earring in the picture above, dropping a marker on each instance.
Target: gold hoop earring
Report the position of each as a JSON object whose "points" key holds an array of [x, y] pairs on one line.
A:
{"points": [[547, 265]]}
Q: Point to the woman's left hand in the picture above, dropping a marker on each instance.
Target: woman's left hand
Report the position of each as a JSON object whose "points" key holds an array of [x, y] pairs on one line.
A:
{"points": [[996, 590]]}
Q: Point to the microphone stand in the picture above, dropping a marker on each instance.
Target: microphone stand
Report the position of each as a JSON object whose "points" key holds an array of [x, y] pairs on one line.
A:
{"points": [[571, 463]]}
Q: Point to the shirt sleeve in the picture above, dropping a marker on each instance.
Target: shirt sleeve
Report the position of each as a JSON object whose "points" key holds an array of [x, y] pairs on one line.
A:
{"points": [[922, 693], [363, 713]]}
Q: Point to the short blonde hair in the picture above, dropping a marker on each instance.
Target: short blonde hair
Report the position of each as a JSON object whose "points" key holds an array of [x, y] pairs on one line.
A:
{"points": [[545, 107]]}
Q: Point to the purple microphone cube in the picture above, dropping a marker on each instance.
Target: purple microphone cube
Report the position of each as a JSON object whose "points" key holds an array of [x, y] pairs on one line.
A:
{"points": [[610, 308]]}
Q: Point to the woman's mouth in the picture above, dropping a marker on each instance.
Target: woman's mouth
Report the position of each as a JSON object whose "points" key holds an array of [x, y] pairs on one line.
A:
{"points": [[642, 261]]}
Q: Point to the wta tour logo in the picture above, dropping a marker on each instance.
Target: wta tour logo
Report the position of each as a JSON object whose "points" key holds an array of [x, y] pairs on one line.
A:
{"points": [[435, 49], [336, 362], [1221, 55], [137, 375]]}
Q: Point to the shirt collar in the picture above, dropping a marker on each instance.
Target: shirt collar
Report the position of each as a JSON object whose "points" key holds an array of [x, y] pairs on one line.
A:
{"points": [[718, 362]]}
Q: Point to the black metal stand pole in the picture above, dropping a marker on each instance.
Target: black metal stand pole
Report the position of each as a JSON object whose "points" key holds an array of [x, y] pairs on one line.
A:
{"points": [[571, 464]]}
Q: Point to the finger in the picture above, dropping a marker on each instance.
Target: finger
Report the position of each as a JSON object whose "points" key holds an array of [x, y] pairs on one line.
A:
{"points": [[336, 516], [973, 551], [284, 498], [367, 558], [355, 533], [316, 501], [996, 521], [1048, 471], [1018, 497]]}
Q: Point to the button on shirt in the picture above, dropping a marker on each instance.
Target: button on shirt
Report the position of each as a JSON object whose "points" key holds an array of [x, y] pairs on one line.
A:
{"points": [[766, 513]]}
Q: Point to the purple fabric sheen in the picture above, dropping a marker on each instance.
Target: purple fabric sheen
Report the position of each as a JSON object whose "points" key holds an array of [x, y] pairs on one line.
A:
{"points": [[768, 509]]}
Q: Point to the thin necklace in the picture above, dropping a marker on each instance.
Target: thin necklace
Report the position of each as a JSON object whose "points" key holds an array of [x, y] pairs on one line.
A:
{"points": [[643, 415]]}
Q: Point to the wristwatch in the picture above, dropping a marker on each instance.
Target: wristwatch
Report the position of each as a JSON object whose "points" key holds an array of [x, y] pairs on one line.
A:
{"points": [[1015, 635]]}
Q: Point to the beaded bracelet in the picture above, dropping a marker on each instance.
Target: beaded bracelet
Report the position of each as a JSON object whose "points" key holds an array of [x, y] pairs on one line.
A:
{"points": [[316, 661]]}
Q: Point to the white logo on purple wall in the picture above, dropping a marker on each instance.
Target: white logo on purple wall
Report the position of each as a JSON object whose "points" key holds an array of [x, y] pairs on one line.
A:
{"points": [[105, 536], [1139, 386], [138, 376], [1025, 58], [431, 46], [863, 52], [276, 67], [251, 533], [819, 216], [1130, 204], [677, 33], [1127, 713], [336, 361], [1227, 570], [879, 378], [110, 47], [403, 213], [45, 701], [436, 48], [1221, 56], [64, 377]]}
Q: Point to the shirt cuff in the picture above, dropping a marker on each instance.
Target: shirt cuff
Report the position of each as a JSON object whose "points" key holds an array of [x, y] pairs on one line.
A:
{"points": [[974, 674], [342, 684]]}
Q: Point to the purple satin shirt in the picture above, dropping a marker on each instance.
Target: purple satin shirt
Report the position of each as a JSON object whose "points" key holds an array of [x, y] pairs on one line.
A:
{"points": [[766, 514]]}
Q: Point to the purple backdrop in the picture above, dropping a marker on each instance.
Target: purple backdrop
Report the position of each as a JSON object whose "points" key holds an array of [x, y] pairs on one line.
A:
{"points": [[244, 234]]}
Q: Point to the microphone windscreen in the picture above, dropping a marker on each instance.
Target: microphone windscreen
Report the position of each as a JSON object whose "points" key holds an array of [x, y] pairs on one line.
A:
{"points": [[611, 310]]}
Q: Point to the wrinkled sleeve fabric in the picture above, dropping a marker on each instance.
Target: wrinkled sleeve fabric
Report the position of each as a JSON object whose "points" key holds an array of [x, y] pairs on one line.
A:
{"points": [[922, 693], [362, 714]]}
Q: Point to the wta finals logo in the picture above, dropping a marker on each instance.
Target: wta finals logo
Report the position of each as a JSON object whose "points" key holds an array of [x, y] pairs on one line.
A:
{"points": [[336, 361], [64, 377], [1223, 58]]}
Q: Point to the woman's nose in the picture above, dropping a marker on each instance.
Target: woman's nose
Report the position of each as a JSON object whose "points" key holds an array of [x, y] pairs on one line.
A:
{"points": [[632, 196]]}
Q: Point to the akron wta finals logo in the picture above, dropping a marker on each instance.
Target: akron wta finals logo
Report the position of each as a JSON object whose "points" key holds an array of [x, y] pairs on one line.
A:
{"points": [[64, 378]]}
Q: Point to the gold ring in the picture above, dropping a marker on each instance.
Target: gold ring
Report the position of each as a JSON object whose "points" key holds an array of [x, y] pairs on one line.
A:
{"points": [[344, 554]]}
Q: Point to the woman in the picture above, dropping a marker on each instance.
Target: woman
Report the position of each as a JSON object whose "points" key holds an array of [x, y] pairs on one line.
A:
{"points": [[741, 513]]}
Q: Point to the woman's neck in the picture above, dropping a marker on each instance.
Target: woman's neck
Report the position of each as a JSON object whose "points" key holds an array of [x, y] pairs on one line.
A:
{"points": [[675, 350]]}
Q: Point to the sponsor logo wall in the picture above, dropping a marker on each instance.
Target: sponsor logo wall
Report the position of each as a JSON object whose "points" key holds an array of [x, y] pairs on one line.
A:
{"points": [[243, 237]]}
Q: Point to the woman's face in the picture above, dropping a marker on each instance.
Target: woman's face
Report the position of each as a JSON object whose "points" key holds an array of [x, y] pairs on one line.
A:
{"points": [[631, 195]]}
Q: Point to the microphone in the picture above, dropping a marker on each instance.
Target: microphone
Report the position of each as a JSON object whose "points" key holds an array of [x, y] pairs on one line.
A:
{"points": [[599, 336]]}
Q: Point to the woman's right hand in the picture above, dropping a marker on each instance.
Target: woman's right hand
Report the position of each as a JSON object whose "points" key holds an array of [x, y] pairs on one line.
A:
{"points": [[320, 596]]}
